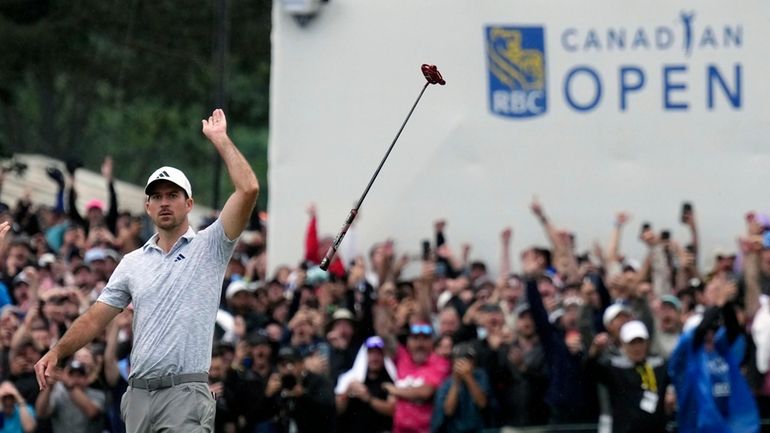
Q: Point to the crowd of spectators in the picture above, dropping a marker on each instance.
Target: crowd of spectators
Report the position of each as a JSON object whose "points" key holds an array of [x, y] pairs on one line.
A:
{"points": [[560, 336]]}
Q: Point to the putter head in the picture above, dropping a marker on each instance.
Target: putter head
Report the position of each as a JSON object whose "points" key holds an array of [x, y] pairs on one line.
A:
{"points": [[432, 74]]}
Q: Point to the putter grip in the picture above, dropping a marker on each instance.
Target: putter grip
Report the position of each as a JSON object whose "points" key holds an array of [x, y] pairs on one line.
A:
{"points": [[327, 260]]}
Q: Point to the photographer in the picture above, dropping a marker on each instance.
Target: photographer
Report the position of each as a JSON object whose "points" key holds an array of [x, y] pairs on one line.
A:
{"points": [[18, 415], [250, 386], [462, 397], [306, 399], [72, 404]]}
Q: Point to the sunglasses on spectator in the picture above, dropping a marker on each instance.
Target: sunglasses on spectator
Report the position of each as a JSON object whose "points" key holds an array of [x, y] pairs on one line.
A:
{"points": [[420, 329]]}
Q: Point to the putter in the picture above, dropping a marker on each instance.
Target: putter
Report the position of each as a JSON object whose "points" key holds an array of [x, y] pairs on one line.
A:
{"points": [[432, 76]]}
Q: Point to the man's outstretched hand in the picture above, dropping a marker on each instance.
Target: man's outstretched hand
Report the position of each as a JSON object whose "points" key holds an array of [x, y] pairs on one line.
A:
{"points": [[45, 369], [215, 127]]}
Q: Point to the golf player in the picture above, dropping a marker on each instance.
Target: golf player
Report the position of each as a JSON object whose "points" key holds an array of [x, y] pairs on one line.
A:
{"points": [[174, 284]]}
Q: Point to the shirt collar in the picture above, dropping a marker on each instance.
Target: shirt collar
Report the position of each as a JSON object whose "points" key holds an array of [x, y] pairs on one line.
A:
{"points": [[153, 241]]}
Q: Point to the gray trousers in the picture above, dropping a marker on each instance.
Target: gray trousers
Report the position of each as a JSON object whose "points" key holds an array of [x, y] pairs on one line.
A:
{"points": [[188, 407]]}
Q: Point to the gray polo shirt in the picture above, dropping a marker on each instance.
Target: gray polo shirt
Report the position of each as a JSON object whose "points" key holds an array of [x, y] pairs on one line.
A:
{"points": [[175, 298]]}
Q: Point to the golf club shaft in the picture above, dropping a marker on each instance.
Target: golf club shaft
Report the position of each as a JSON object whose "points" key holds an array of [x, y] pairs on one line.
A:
{"points": [[353, 212]]}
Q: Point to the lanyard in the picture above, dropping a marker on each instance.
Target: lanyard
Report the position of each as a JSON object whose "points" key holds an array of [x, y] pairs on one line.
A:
{"points": [[649, 383]]}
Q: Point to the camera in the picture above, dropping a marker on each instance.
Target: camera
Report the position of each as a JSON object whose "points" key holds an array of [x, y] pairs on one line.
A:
{"points": [[77, 367], [288, 381]]}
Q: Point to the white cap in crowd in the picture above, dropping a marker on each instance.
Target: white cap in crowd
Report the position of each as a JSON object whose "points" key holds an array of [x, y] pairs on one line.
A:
{"points": [[633, 330], [239, 286], [612, 312]]}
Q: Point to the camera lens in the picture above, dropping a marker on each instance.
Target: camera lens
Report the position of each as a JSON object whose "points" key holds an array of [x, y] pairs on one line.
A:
{"points": [[288, 381]]}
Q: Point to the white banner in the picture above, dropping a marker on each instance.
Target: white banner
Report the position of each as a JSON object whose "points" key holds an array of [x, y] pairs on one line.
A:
{"points": [[594, 106]]}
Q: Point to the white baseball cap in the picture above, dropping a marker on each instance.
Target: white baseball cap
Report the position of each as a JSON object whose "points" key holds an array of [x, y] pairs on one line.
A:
{"points": [[633, 330], [612, 312], [170, 174], [238, 286]]}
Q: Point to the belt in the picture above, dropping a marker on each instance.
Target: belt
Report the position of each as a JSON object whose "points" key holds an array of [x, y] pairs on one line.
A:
{"points": [[153, 383]]}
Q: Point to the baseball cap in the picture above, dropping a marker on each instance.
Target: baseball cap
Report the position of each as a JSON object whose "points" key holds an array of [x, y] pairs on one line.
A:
{"points": [[521, 309], [556, 315], [257, 339], [94, 203], [671, 300], [109, 253], [315, 276], [94, 254], [288, 354], [572, 301], [463, 350], [21, 277], [374, 342], [633, 330], [612, 312], [340, 314], [343, 314], [722, 253], [238, 286], [170, 174], [46, 260]]}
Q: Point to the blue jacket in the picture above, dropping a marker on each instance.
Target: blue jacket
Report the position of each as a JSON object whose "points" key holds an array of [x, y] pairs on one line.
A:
{"points": [[698, 410]]}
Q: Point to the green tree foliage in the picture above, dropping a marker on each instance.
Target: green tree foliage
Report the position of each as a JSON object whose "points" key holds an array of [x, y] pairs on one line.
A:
{"points": [[82, 79]]}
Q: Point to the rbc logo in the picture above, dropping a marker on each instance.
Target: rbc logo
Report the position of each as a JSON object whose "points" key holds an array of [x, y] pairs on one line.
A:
{"points": [[516, 62]]}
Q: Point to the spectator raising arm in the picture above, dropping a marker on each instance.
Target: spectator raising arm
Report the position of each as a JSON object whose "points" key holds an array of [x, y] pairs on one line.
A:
{"points": [[505, 252], [111, 219], [688, 218], [563, 258], [614, 258]]}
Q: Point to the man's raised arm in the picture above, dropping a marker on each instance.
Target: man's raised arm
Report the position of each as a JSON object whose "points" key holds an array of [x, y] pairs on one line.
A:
{"points": [[236, 211]]}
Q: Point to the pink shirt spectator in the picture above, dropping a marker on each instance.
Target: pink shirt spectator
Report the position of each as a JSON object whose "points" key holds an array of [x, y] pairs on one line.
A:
{"points": [[410, 416]]}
